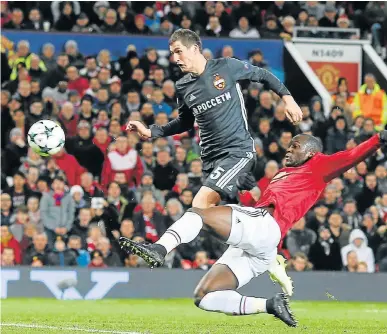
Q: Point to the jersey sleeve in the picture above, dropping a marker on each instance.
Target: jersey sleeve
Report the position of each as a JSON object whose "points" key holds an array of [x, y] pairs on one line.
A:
{"points": [[242, 70], [336, 164], [184, 122]]}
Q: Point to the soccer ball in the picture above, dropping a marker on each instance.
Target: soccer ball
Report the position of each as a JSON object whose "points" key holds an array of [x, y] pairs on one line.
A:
{"points": [[46, 138]]}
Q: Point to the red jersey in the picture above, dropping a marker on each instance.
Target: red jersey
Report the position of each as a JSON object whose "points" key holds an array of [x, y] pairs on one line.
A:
{"points": [[294, 190]]}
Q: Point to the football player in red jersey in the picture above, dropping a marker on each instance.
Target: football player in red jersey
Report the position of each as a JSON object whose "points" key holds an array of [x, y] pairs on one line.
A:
{"points": [[254, 233]]}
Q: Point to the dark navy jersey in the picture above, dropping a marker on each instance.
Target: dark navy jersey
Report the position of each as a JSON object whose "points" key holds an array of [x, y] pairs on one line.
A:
{"points": [[214, 99]]}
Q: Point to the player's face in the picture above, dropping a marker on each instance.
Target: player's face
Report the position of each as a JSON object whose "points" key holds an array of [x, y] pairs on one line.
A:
{"points": [[184, 57], [296, 154]]}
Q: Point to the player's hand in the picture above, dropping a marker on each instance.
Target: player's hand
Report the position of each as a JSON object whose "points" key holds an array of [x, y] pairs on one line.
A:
{"points": [[383, 137], [140, 128], [292, 110], [246, 181]]}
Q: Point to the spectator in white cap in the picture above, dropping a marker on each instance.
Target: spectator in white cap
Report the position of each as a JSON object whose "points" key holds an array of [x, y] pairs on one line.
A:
{"points": [[77, 194]]}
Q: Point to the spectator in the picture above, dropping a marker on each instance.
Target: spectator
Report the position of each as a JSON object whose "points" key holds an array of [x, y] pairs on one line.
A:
{"points": [[288, 23], [166, 27], [81, 225], [110, 258], [48, 56], [133, 102], [325, 252], [149, 223], [60, 255], [38, 250], [8, 257], [146, 186], [77, 195], [372, 232], [9, 241], [201, 261], [76, 82], [106, 216], [186, 199], [70, 166], [83, 25], [111, 25], [58, 73], [352, 262], [17, 20], [82, 256], [57, 211], [314, 8], [300, 262], [6, 209], [123, 159], [370, 192], [381, 176], [371, 101], [89, 187], [352, 217], [358, 243], [353, 182], [339, 231], [337, 136], [97, 260], [19, 192], [300, 238], [122, 205], [83, 149], [302, 18], [214, 28], [329, 19], [127, 228], [139, 26], [180, 162], [34, 212], [165, 173], [270, 29], [174, 211], [66, 19], [244, 30], [14, 151], [280, 123]]}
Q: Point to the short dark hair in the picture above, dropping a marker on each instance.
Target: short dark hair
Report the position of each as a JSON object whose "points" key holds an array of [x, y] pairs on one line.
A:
{"points": [[186, 37]]}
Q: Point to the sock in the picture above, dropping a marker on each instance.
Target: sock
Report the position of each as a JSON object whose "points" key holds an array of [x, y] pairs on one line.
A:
{"points": [[182, 231], [232, 302]]}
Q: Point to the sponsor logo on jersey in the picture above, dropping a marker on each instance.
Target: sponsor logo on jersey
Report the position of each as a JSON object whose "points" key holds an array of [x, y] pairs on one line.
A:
{"points": [[219, 82], [191, 98], [198, 109], [279, 176]]}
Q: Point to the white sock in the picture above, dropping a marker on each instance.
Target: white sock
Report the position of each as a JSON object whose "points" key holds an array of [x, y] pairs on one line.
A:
{"points": [[182, 231], [231, 302]]}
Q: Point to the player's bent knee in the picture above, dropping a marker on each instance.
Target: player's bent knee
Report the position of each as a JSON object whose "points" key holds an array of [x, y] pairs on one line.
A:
{"points": [[198, 295]]}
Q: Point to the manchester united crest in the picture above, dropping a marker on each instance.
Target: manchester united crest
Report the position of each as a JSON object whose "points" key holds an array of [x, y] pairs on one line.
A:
{"points": [[328, 74], [219, 82]]}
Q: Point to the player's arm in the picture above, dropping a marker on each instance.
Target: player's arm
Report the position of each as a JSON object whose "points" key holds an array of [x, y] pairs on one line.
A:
{"points": [[244, 70], [338, 163], [184, 122]]}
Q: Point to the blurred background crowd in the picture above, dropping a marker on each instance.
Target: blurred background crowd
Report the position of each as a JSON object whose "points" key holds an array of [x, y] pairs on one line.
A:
{"points": [[71, 208]]}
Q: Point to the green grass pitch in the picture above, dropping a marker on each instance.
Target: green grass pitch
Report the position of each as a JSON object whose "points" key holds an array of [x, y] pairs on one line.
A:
{"points": [[177, 316]]}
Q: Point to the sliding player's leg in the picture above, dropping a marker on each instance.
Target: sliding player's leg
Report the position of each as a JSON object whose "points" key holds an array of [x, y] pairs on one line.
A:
{"points": [[216, 220], [216, 292]]}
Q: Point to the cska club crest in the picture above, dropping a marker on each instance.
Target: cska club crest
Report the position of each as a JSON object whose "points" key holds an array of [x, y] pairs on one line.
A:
{"points": [[219, 82]]}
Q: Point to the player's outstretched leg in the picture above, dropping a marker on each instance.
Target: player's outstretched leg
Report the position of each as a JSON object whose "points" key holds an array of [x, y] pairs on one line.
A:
{"points": [[216, 220], [277, 273], [216, 292]]}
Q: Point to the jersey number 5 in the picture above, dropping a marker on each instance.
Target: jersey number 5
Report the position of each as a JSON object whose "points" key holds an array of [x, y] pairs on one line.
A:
{"points": [[216, 173]]}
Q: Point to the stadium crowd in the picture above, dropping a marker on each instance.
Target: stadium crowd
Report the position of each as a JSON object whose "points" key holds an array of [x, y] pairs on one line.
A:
{"points": [[70, 209]]}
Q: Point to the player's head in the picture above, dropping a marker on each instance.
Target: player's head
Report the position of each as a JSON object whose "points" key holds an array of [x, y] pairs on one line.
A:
{"points": [[186, 47], [301, 149]]}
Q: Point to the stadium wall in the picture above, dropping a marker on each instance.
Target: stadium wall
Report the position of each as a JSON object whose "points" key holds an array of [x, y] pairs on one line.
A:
{"points": [[90, 44], [177, 283]]}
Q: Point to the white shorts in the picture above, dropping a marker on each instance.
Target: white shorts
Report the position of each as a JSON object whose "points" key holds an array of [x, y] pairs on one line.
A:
{"points": [[253, 243]]}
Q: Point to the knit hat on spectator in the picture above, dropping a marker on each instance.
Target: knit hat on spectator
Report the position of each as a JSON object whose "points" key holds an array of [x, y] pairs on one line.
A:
{"points": [[82, 16], [99, 4], [76, 189], [16, 97], [148, 173], [15, 132], [329, 8], [271, 18]]}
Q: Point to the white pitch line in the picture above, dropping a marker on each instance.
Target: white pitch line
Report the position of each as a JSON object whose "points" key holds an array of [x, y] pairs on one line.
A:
{"points": [[88, 330]]}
